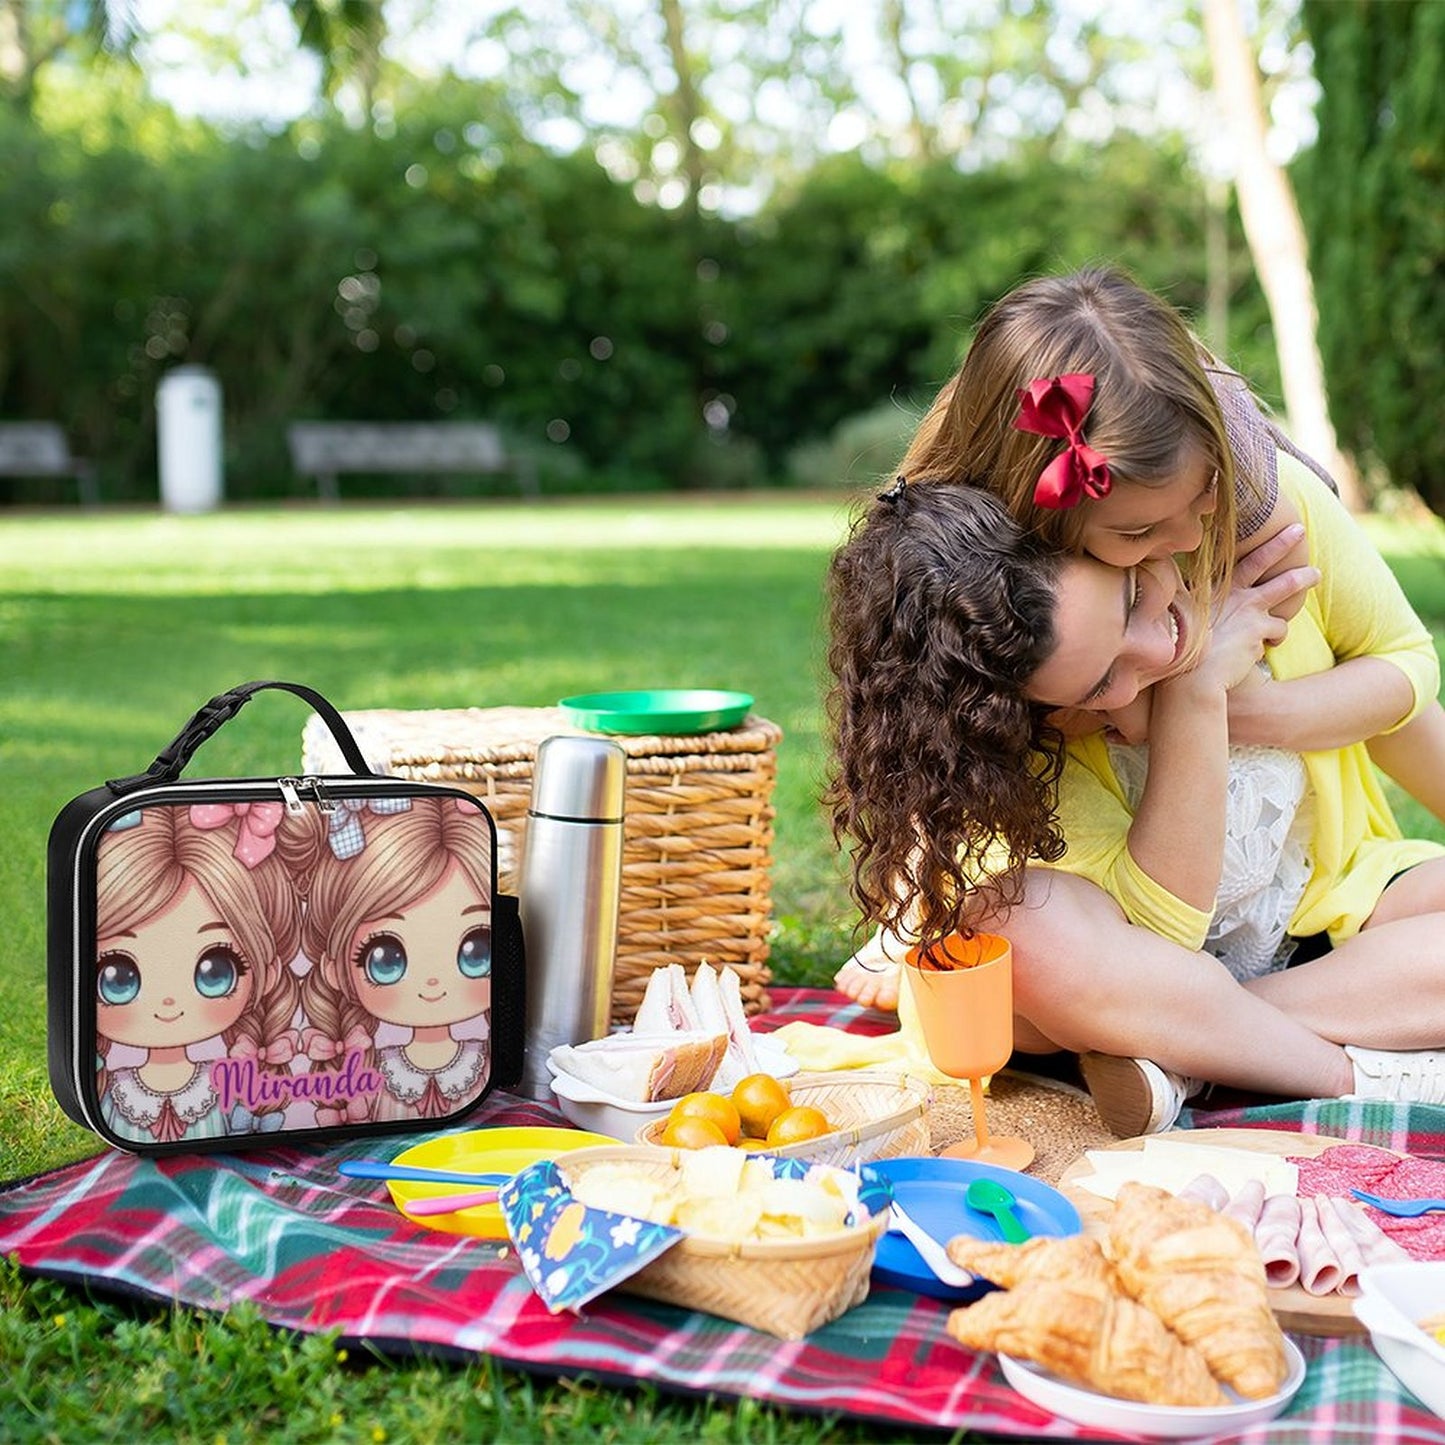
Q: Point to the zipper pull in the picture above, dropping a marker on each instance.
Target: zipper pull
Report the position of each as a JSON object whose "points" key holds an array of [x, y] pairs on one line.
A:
{"points": [[290, 793], [327, 805]]}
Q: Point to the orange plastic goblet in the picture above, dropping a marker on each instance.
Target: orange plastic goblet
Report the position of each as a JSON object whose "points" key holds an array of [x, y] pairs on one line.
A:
{"points": [[963, 990]]}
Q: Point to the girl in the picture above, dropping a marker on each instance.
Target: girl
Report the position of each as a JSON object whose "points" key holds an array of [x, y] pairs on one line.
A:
{"points": [[955, 639], [197, 921], [398, 925], [1166, 454]]}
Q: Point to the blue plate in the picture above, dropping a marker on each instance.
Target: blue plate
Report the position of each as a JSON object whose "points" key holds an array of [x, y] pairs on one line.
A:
{"points": [[932, 1191]]}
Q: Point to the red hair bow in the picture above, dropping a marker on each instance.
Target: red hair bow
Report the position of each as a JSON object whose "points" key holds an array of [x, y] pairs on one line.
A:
{"points": [[1056, 407]]}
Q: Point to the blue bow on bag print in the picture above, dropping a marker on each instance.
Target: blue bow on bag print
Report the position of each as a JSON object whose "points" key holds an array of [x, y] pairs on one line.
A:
{"points": [[345, 834]]}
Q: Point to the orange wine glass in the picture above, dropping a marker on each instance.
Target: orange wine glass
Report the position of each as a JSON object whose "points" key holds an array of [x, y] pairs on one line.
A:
{"points": [[963, 990]]}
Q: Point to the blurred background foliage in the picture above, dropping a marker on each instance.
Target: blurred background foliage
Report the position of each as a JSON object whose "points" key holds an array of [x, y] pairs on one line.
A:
{"points": [[757, 277]]}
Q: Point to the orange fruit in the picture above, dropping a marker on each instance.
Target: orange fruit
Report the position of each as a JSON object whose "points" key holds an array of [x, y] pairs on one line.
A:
{"points": [[692, 1133], [760, 1098], [800, 1122], [715, 1108]]}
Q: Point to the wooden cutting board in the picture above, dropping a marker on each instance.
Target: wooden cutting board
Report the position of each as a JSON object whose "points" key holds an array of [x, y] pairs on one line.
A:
{"points": [[1295, 1308]]}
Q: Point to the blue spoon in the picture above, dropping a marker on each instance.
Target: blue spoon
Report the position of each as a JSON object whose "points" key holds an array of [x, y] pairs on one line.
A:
{"points": [[380, 1169], [1401, 1208]]}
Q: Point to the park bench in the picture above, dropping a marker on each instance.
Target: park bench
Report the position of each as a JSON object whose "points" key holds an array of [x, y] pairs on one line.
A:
{"points": [[39, 449], [326, 450]]}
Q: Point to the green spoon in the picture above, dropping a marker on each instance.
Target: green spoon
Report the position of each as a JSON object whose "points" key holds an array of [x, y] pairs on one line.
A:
{"points": [[990, 1197]]}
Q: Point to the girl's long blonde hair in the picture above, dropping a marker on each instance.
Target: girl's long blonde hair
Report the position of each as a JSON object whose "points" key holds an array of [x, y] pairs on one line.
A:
{"points": [[140, 870], [1152, 402], [406, 855]]}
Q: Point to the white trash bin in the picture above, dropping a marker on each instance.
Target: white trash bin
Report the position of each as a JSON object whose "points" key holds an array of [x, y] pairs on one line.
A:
{"points": [[188, 425]]}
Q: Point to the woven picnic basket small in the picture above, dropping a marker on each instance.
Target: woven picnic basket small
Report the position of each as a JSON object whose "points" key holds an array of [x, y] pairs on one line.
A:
{"points": [[785, 1287], [875, 1116], [697, 835]]}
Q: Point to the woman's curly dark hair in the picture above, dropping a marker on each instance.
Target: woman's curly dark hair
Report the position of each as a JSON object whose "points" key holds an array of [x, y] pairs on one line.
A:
{"points": [[944, 773]]}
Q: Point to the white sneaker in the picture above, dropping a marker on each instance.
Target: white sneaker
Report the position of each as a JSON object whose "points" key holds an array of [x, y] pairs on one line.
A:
{"points": [[1135, 1096], [1408, 1076]]}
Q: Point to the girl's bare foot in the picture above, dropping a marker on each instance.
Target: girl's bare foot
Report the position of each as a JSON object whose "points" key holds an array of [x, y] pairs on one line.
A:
{"points": [[870, 977]]}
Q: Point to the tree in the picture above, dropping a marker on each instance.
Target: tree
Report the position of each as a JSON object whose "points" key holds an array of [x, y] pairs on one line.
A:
{"points": [[34, 33], [1371, 190], [1276, 241], [346, 35]]}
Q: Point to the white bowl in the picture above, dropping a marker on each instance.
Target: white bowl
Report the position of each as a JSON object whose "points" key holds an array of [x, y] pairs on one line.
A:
{"points": [[1393, 1299], [1150, 1422], [588, 1107]]}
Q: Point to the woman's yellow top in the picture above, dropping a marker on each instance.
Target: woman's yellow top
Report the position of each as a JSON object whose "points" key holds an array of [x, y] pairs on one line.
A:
{"points": [[1357, 610]]}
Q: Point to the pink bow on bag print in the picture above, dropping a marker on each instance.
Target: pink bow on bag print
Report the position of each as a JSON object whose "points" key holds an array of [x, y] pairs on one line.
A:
{"points": [[349, 1111], [256, 839], [279, 1052], [1056, 407], [321, 1048]]}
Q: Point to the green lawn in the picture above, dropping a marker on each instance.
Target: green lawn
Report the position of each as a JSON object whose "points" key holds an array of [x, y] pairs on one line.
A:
{"points": [[113, 628]]}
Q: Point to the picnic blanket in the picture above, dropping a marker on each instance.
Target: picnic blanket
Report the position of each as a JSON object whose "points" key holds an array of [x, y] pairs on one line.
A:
{"points": [[314, 1251]]}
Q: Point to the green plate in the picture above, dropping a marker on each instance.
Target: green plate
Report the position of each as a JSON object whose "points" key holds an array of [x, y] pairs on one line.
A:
{"points": [[661, 710]]}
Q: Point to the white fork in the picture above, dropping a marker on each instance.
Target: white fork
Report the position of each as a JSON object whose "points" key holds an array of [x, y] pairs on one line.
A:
{"points": [[932, 1252]]}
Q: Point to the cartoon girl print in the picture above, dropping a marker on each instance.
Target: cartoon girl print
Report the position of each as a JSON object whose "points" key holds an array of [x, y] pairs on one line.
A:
{"points": [[398, 924], [197, 924]]}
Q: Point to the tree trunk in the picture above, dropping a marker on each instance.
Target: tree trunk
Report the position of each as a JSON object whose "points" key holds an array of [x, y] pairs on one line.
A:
{"points": [[1276, 239], [686, 109]]}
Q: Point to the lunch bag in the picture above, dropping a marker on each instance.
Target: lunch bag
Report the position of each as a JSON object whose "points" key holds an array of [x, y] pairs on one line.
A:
{"points": [[235, 961]]}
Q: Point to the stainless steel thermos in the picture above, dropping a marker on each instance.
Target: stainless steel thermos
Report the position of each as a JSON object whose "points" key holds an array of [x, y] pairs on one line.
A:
{"points": [[570, 883]]}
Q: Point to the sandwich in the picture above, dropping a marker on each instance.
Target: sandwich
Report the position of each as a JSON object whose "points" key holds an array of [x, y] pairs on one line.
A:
{"points": [[645, 1068], [713, 1003]]}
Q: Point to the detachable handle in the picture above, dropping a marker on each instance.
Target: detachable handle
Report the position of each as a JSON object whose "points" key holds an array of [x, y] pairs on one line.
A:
{"points": [[221, 709]]}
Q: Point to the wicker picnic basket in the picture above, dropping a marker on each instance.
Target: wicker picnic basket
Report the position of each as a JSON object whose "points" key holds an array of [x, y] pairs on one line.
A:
{"points": [[697, 837], [876, 1116], [785, 1287]]}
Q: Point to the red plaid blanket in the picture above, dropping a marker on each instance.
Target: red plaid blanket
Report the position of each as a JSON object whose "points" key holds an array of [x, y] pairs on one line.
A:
{"points": [[314, 1251]]}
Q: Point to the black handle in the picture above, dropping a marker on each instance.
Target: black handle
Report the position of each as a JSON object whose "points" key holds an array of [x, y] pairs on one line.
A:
{"points": [[221, 709]]}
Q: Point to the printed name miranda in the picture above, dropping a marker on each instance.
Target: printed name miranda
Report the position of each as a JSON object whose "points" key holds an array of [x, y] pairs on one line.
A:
{"points": [[240, 1081]]}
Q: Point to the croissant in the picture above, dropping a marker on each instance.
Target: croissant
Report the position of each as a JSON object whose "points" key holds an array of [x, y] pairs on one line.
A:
{"points": [[1202, 1275], [1090, 1335], [1079, 1256]]}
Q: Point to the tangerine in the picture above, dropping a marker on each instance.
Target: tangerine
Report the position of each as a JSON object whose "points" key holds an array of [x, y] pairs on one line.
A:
{"points": [[715, 1108], [690, 1132], [793, 1125], [760, 1098]]}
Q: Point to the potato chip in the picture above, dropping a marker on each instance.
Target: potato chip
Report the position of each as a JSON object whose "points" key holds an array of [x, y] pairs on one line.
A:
{"points": [[720, 1193], [712, 1172], [732, 1219], [626, 1189]]}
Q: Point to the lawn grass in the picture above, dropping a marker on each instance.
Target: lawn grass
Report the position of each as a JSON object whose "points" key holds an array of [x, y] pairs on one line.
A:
{"points": [[114, 627]]}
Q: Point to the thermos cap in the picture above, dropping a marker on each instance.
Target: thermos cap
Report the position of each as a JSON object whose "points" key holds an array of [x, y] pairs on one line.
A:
{"points": [[581, 778]]}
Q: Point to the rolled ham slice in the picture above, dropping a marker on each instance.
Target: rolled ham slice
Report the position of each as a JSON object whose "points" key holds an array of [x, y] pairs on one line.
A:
{"points": [[1376, 1247], [1207, 1190], [1276, 1234], [1247, 1204], [1320, 1271], [1341, 1242]]}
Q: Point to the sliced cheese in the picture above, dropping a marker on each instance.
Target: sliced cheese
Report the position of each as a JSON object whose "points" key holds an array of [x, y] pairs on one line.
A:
{"points": [[1170, 1163]]}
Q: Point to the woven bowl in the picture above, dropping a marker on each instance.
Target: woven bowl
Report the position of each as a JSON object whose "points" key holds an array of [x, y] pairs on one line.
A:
{"points": [[875, 1116], [785, 1287]]}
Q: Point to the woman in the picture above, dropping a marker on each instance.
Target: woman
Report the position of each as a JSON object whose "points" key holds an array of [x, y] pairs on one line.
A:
{"points": [[956, 637]]}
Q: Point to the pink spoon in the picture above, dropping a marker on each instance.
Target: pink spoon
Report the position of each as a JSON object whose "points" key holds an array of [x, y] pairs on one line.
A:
{"points": [[450, 1203]]}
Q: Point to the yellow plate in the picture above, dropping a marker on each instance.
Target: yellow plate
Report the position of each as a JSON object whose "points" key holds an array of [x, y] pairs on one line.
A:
{"points": [[481, 1151]]}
